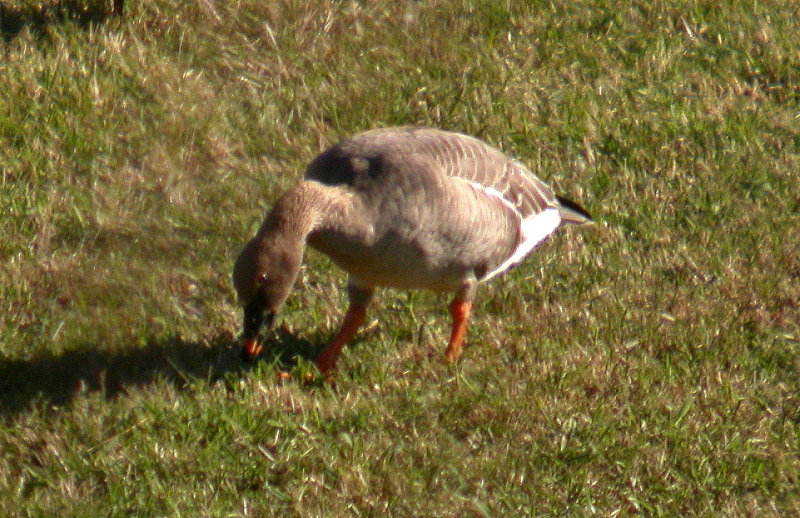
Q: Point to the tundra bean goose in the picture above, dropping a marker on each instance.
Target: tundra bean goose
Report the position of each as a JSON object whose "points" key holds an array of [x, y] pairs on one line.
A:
{"points": [[405, 207]]}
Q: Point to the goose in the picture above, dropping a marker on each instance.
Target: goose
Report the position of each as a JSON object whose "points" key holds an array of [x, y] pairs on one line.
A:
{"points": [[401, 207]]}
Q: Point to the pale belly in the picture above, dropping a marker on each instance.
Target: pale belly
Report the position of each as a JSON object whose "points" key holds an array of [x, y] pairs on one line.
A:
{"points": [[393, 263]]}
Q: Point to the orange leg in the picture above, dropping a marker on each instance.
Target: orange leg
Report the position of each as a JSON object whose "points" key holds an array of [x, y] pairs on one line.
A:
{"points": [[459, 310], [352, 321]]}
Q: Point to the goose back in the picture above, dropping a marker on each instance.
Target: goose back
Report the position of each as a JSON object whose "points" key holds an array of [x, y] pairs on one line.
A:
{"points": [[459, 155]]}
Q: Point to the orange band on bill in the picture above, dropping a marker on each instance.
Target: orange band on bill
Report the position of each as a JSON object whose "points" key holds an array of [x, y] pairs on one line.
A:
{"points": [[251, 347]]}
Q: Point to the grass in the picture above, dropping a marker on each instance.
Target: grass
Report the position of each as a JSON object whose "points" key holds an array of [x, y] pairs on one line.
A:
{"points": [[645, 365]]}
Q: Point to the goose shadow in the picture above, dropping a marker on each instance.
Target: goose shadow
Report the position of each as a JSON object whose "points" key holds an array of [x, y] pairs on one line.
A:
{"points": [[38, 16], [55, 380]]}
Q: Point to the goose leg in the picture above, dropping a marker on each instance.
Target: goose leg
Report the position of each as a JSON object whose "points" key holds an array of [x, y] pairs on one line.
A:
{"points": [[356, 313], [460, 309]]}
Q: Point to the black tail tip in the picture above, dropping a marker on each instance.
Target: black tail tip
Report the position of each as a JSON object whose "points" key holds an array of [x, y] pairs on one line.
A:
{"points": [[574, 207]]}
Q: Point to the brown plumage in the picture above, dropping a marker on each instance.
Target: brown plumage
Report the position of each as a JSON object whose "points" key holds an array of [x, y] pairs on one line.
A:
{"points": [[400, 207]]}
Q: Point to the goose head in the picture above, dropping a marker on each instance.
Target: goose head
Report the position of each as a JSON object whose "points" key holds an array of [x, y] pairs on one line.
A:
{"points": [[263, 277]]}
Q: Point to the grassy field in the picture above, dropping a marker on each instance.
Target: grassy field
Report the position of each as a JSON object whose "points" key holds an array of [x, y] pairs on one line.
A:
{"points": [[646, 365]]}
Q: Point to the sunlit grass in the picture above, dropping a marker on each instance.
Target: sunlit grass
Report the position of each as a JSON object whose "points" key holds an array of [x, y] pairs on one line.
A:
{"points": [[646, 364]]}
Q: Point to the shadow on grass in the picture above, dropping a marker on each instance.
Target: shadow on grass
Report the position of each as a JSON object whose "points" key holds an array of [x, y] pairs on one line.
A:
{"points": [[55, 380], [41, 15]]}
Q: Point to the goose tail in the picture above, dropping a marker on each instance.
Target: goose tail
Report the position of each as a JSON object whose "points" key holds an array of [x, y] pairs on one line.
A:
{"points": [[571, 212]]}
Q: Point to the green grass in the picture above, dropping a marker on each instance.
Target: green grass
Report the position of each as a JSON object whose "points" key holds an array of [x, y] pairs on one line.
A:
{"points": [[644, 365]]}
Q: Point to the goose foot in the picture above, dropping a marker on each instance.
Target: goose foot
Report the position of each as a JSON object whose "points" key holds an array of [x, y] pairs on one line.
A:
{"points": [[326, 362], [459, 310]]}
